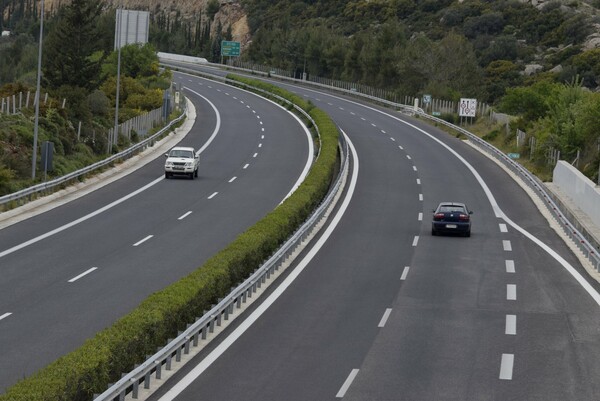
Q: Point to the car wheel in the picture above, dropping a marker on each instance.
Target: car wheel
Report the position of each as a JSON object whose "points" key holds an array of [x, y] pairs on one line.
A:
{"points": [[196, 173], [167, 175], [192, 175], [468, 233], [433, 232]]}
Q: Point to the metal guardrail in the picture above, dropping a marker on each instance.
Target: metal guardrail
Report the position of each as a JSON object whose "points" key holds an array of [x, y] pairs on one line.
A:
{"points": [[50, 185], [152, 368]]}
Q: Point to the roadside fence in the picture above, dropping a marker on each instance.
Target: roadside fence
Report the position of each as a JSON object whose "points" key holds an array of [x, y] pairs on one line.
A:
{"points": [[13, 104]]}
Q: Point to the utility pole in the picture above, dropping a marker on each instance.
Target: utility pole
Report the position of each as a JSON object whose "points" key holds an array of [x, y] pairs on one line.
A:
{"points": [[118, 18], [37, 94]]}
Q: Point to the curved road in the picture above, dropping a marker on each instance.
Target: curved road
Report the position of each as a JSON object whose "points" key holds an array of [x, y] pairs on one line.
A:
{"points": [[385, 311], [58, 290]]}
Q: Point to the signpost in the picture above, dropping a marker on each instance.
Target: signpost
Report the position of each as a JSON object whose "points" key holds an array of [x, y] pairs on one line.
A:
{"points": [[230, 49], [467, 108]]}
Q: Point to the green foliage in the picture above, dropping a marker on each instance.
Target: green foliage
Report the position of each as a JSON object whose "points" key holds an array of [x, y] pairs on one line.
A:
{"points": [[136, 61], [102, 359], [73, 65]]}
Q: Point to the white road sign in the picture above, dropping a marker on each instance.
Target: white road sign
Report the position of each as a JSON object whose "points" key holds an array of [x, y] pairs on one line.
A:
{"points": [[467, 107]]}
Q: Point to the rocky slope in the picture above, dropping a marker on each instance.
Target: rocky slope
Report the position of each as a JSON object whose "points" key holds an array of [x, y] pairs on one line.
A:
{"points": [[230, 14]]}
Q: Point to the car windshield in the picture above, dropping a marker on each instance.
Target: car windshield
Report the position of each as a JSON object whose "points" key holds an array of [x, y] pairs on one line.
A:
{"points": [[450, 209], [182, 153]]}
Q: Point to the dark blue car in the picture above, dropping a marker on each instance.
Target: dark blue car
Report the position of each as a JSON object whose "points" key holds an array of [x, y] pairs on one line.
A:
{"points": [[451, 217]]}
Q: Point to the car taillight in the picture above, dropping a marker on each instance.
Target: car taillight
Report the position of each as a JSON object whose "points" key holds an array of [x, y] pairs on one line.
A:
{"points": [[463, 217], [438, 216]]}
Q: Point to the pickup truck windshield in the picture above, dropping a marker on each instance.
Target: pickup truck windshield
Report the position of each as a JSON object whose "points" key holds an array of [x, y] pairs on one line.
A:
{"points": [[182, 153]]}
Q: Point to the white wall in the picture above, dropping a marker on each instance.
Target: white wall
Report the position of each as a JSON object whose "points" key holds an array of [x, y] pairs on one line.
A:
{"points": [[582, 191], [178, 57]]}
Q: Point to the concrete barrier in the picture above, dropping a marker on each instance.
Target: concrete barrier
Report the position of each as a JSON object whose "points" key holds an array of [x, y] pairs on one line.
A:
{"points": [[179, 57], [582, 191]]}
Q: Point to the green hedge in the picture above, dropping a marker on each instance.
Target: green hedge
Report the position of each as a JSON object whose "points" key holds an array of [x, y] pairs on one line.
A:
{"points": [[103, 358]]}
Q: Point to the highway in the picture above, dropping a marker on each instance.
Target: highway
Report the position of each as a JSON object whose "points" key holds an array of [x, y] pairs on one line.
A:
{"points": [[72, 271], [385, 311]]}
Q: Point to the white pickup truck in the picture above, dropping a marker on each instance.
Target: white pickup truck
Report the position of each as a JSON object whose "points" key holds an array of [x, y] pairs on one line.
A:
{"points": [[182, 160]]}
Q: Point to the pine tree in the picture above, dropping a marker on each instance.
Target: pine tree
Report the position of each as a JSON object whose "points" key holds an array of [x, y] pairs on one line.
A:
{"points": [[70, 44]]}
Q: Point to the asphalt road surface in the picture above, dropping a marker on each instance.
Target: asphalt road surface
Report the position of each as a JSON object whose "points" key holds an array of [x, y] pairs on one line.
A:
{"points": [[58, 290], [385, 311]]}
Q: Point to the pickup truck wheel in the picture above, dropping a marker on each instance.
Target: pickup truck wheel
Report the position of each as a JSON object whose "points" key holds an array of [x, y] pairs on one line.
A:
{"points": [[192, 175]]}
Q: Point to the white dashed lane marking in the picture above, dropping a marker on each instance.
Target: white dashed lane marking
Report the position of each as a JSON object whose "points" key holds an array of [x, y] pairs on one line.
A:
{"points": [[506, 366], [421, 197], [5, 315], [232, 179], [511, 292], [418, 181], [415, 240], [246, 166], [213, 195], [142, 241], [510, 266], [420, 218], [506, 245], [405, 272], [384, 318], [85, 273], [511, 325], [347, 384], [184, 216], [503, 228]]}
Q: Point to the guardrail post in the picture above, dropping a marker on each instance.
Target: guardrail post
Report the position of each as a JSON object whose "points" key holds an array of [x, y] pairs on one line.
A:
{"points": [[135, 389], [158, 369], [168, 364], [178, 354], [186, 349]]}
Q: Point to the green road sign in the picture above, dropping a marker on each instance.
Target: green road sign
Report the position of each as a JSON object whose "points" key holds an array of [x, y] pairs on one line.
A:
{"points": [[230, 49], [514, 155]]}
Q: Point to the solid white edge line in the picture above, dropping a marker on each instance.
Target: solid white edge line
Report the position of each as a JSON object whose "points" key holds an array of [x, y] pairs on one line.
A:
{"points": [[511, 325], [213, 195], [405, 273], [85, 273], [510, 266], [118, 201], [239, 331], [511, 292], [506, 366], [144, 240], [385, 317], [347, 383], [5, 315]]}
